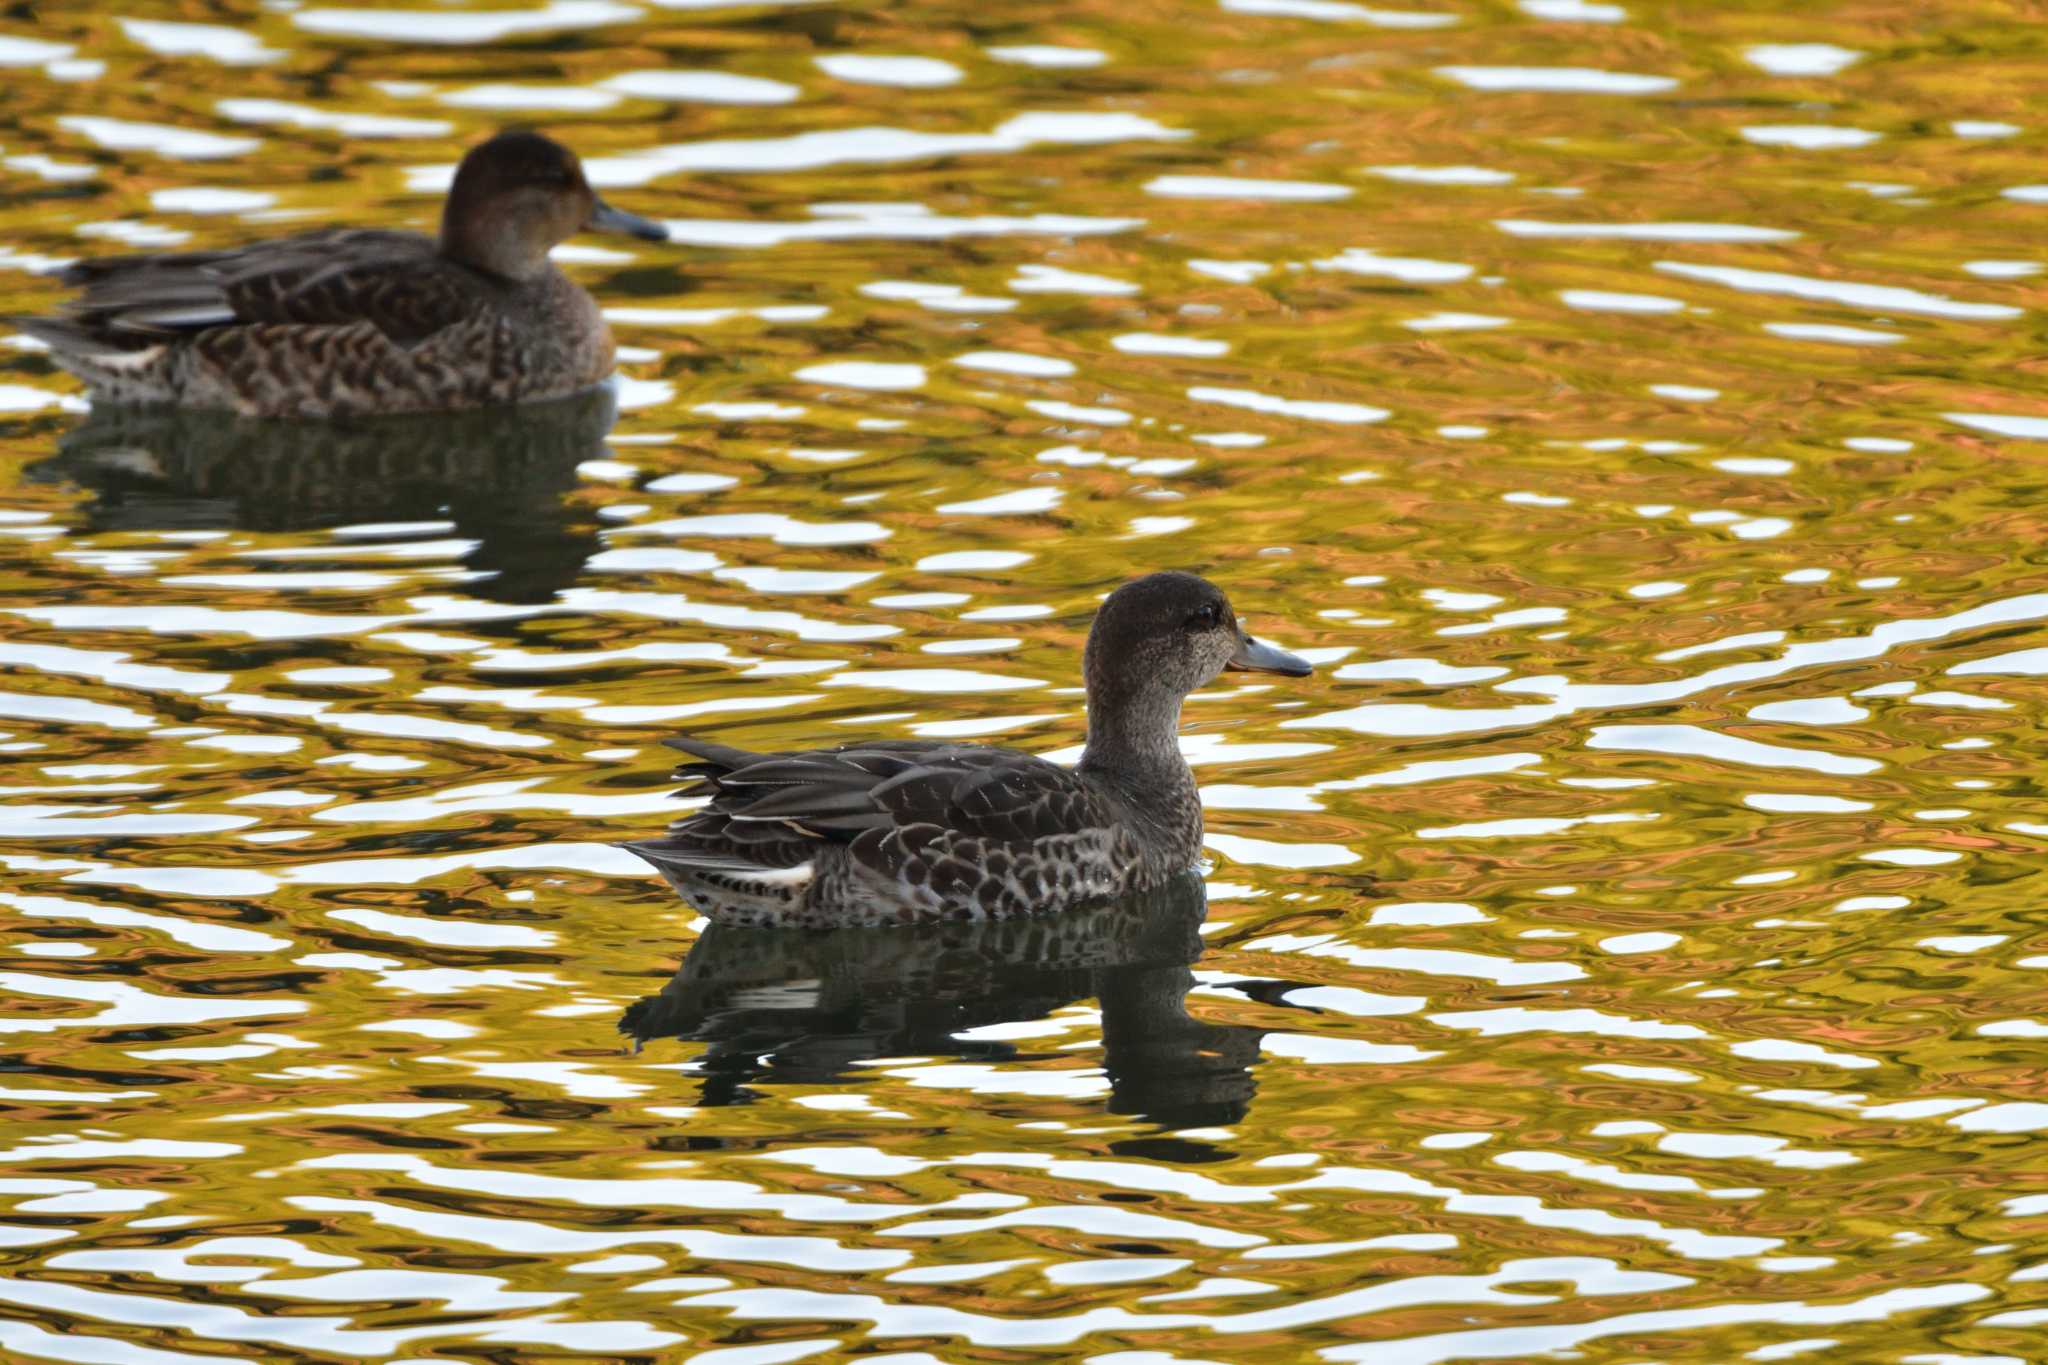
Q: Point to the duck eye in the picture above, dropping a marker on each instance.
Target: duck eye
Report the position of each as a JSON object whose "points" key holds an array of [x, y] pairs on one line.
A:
{"points": [[1205, 617]]}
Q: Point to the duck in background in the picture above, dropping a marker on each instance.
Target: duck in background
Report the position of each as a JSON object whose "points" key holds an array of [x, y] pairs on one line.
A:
{"points": [[902, 831], [361, 322]]}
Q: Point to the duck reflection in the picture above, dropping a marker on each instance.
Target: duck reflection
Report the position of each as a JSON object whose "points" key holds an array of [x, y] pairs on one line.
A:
{"points": [[807, 1007], [498, 474]]}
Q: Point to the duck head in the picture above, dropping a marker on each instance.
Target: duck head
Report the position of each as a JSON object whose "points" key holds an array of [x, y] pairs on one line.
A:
{"points": [[1155, 640], [517, 196]]}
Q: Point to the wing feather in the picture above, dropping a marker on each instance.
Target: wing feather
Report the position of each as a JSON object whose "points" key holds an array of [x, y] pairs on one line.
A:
{"points": [[395, 281], [888, 801]]}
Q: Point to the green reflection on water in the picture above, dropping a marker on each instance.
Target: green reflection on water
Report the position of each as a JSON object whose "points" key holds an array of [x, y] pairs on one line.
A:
{"points": [[1625, 942]]}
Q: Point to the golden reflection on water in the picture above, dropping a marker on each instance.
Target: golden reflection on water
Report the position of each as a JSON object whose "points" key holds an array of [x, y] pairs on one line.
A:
{"points": [[1624, 945]]}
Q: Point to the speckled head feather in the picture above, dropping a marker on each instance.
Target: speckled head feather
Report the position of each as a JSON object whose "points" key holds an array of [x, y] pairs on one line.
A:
{"points": [[519, 195], [1155, 640]]}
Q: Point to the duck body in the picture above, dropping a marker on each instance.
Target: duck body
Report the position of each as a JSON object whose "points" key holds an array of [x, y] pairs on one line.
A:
{"points": [[908, 831], [326, 324], [355, 322]]}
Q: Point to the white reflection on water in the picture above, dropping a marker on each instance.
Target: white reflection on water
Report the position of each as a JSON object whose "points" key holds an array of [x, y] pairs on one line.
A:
{"points": [[465, 29], [1539, 938], [1557, 79], [1878, 298], [183, 144]]}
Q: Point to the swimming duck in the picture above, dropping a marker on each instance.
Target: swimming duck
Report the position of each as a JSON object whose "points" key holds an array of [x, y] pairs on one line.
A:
{"points": [[358, 321], [903, 831]]}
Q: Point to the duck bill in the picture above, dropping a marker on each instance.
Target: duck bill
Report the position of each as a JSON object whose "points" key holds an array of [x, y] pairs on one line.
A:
{"points": [[1255, 657], [605, 218]]}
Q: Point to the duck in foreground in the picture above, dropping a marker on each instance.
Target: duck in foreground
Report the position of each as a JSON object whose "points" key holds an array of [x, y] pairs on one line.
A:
{"points": [[903, 831], [356, 321]]}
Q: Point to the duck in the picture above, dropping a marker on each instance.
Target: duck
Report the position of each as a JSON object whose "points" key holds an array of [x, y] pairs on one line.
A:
{"points": [[895, 832], [349, 322]]}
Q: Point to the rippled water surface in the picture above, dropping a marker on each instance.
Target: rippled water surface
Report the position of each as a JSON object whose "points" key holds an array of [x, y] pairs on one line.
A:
{"points": [[1629, 943]]}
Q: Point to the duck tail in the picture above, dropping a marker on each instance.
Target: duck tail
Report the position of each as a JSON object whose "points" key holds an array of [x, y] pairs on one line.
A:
{"points": [[721, 757], [75, 341], [60, 334]]}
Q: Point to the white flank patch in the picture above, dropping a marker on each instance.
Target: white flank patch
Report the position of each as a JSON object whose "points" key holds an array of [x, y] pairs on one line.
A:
{"points": [[784, 876], [126, 360]]}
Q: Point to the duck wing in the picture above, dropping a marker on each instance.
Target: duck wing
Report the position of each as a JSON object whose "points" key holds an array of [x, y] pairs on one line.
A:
{"points": [[395, 281], [775, 810]]}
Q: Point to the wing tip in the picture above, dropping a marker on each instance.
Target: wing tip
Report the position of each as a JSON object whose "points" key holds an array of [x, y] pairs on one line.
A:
{"points": [[75, 339], [672, 860]]}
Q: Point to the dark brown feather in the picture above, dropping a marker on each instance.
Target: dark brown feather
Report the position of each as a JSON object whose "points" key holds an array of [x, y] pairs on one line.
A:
{"points": [[393, 280], [890, 801]]}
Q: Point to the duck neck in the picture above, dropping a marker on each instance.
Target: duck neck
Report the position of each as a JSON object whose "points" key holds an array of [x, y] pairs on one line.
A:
{"points": [[1134, 737], [498, 246]]}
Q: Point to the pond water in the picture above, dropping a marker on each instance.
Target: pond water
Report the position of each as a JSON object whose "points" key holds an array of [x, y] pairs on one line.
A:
{"points": [[1625, 946]]}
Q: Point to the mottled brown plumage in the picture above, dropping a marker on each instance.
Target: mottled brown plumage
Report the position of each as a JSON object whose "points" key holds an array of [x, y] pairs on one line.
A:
{"points": [[360, 321], [901, 831]]}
